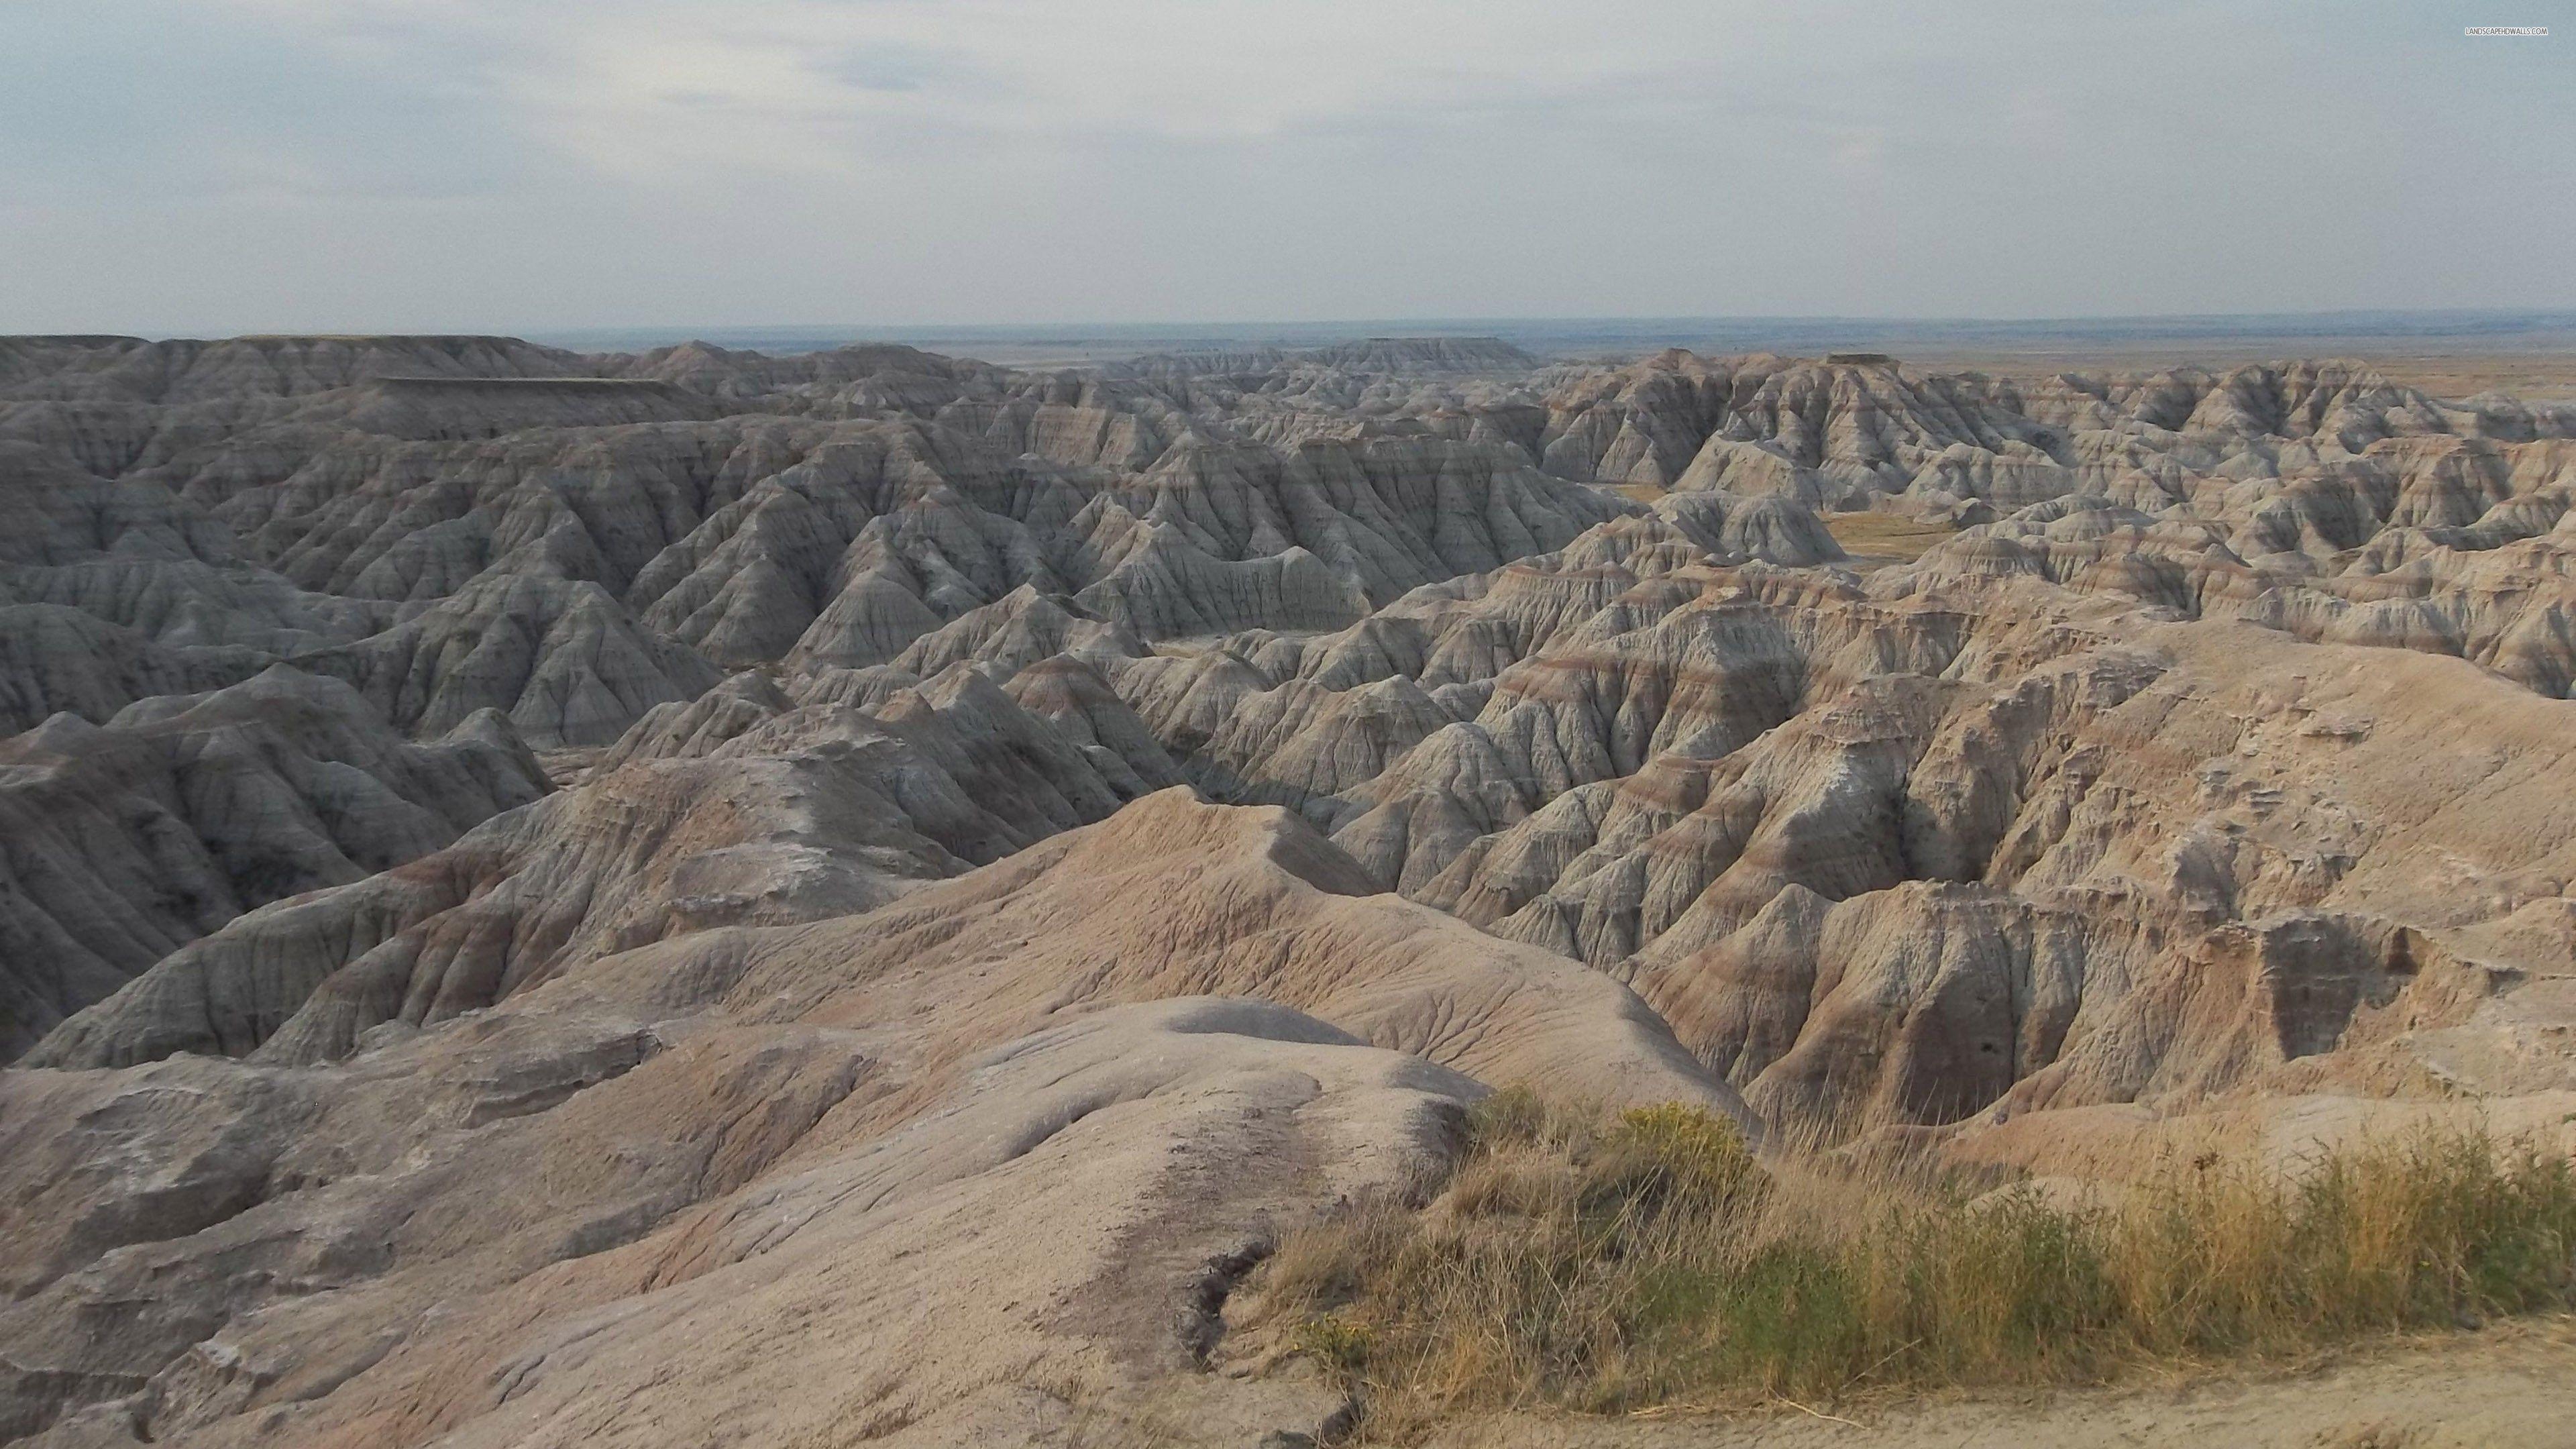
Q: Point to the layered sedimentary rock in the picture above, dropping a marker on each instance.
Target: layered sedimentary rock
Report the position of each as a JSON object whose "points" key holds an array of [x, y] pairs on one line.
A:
{"points": [[794, 1124], [741, 806], [119, 844], [561, 659], [1000, 847], [2443, 544], [58, 660]]}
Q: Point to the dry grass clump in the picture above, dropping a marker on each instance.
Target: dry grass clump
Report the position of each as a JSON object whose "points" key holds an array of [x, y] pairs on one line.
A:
{"points": [[1615, 1261], [1885, 536]]}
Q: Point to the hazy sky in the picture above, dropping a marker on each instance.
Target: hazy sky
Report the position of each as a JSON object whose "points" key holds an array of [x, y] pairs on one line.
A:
{"points": [[213, 166]]}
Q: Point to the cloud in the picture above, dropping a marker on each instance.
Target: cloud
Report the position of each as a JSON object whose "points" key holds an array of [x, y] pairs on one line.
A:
{"points": [[795, 83], [500, 163]]}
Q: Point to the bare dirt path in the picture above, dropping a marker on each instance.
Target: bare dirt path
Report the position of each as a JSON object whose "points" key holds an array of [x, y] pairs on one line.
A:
{"points": [[2511, 1387]]}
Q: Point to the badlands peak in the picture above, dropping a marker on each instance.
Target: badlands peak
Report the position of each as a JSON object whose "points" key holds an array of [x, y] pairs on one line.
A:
{"points": [[702, 895]]}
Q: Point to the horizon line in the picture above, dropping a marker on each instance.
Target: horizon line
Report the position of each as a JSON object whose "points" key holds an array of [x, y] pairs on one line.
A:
{"points": [[2507, 319]]}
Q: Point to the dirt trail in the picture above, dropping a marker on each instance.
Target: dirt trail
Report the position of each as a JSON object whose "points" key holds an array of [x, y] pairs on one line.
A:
{"points": [[2513, 1387]]}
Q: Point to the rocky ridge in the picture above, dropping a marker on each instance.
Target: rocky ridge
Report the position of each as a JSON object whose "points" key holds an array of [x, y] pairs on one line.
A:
{"points": [[556, 897]]}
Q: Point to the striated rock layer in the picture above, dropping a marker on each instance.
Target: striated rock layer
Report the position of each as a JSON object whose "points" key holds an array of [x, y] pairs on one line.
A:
{"points": [[704, 897]]}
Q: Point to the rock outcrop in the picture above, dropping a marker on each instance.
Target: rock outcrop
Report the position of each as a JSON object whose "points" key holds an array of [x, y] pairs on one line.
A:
{"points": [[783, 1126], [705, 896], [120, 844], [561, 659]]}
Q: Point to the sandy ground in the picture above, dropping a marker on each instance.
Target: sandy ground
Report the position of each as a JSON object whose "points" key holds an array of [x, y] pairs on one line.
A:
{"points": [[2508, 1387]]}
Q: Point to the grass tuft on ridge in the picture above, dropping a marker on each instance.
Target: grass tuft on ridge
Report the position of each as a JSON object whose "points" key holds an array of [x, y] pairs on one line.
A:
{"points": [[1615, 1261]]}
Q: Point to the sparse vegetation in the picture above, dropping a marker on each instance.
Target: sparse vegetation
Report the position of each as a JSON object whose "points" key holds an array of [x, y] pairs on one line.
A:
{"points": [[1884, 537], [1615, 1261]]}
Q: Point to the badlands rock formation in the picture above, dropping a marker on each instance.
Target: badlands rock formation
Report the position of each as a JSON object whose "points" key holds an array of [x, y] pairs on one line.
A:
{"points": [[704, 897], [125, 841]]}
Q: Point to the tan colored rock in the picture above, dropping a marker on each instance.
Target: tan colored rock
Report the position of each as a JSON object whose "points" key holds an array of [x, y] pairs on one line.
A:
{"points": [[1027, 839]]}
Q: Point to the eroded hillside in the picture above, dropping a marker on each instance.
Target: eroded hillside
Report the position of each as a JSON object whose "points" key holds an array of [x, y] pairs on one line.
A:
{"points": [[698, 896]]}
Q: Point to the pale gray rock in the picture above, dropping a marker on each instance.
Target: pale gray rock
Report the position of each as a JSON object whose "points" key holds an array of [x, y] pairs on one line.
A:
{"points": [[120, 844], [58, 660], [1014, 632], [438, 406], [181, 371], [791, 812], [561, 659], [1412, 355], [873, 1007]]}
